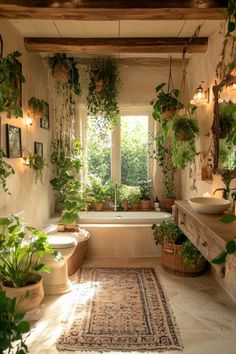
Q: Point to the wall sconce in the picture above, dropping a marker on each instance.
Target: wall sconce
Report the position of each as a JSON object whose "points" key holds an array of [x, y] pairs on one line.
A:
{"points": [[28, 121], [25, 161], [200, 96]]}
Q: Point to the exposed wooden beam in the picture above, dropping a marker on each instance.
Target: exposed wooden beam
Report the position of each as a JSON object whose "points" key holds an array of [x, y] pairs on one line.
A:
{"points": [[146, 62], [113, 10], [115, 45]]}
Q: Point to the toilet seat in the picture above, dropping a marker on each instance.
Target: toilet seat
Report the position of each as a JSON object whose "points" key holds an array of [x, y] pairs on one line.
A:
{"points": [[61, 242]]}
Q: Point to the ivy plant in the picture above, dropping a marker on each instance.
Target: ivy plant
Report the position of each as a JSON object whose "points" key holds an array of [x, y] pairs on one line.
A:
{"points": [[5, 171], [10, 77], [103, 89]]}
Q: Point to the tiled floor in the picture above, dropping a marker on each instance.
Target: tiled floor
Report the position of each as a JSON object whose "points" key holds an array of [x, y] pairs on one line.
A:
{"points": [[205, 315]]}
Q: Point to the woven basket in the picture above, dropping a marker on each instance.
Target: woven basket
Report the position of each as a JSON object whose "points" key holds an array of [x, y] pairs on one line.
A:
{"points": [[172, 261]]}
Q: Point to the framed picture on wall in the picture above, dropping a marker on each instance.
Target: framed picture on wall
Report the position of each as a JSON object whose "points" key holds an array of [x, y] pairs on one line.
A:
{"points": [[13, 139], [17, 84], [38, 148], [44, 120]]}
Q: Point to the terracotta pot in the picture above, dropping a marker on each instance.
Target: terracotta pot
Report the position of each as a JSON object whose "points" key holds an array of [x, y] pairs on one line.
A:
{"points": [[134, 206], [125, 205], [60, 227], [35, 291], [61, 73], [99, 206], [70, 226], [167, 203], [145, 204], [182, 136], [99, 85], [169, 114]]}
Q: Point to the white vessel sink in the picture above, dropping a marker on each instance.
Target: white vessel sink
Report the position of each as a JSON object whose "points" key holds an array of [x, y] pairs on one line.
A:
{"points": [[209, 205]]}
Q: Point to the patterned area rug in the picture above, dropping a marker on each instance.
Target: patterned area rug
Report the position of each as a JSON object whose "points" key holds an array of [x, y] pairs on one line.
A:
{"points": [[121, 309]]}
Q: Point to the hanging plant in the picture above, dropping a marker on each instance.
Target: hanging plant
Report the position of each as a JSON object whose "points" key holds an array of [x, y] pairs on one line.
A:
{"points": [[165, 104], [184, 128], [64, 70], [102, 96], [36, 107], [5, 171], [10, 79], [37, 163]]}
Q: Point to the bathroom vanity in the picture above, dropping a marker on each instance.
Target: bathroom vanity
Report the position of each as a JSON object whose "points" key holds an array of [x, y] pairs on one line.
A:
{"points": [[209, 235]]}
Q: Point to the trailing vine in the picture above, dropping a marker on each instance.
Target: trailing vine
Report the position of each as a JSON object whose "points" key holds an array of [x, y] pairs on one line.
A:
{"points": [[37, 163], [5, 171], [102, 96]]}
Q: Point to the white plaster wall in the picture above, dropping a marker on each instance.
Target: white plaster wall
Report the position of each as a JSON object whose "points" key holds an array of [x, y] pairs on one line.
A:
{"points": [[202, 67], [36, 200]]}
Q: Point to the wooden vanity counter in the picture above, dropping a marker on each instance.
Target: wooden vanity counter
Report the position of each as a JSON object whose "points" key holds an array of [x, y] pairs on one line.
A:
{"points": [[209, 235]]}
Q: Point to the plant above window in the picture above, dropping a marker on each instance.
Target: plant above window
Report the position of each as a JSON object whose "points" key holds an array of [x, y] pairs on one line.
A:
{"points": [[102, 96], [11, 76], [166, 104], [64, 70]]}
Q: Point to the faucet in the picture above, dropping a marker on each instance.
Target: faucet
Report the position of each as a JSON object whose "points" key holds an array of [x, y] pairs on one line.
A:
{"points": [[226, 191], [115, 201]]}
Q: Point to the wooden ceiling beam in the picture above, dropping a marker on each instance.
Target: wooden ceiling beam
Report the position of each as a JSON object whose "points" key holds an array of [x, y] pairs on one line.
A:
{"points": [[115, 45], [145, 62], [114, 10]]}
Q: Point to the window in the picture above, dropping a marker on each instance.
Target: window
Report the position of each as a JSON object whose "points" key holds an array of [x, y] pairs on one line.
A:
{"points": [[134, 149], [98, 151], [121, 155]]}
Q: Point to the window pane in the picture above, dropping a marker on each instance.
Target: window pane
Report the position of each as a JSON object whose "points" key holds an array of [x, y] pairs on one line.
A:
{"points": [[134, 149], [99, 151]]}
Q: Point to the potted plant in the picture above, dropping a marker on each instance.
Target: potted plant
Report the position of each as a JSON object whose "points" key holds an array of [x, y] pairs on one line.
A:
{"points": [[64, 69], [96, 190], [21, 253], [37, 163], [13, 327], [163, 155], [227, 119], [36, 107], [184, 128], [124, 196], [165, 104], [10, 74], [102, 102], [134, 197], [71, 205], [145, 191], [179, 255], [5, 171]]}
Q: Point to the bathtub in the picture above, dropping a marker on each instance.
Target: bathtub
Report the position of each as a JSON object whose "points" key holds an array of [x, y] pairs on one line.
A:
{"points": [[122, 217], [121, 234]]}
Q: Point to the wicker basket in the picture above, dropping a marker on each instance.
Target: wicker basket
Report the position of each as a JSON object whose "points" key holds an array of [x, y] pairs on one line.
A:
{"points": [[77, 258], [172, 261]]}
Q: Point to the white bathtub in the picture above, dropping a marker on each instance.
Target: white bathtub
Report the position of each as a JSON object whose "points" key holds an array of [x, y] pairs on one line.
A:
{"points": [[122, 217]]}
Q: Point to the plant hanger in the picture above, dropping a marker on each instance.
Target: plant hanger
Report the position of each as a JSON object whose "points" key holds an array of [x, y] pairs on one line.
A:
{"points": [[170, 83]]}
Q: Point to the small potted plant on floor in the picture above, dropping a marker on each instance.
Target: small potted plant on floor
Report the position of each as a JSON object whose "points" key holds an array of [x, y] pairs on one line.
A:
{"points": [[165, 104], [13, 328], [21, 254], [179, 255], [145, 191]]}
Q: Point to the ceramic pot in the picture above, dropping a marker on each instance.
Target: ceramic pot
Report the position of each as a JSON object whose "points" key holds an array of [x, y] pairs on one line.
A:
{"points": [[166, 204], [70, 226], [134, 206], [169, 114], [99, 206], [125, 205], [35, 291]]}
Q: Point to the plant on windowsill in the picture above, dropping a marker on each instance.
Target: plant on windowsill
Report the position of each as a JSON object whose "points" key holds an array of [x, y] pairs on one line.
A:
{"points": [[37, 163], [166, 104], [13, 327], [179, 255], [102, 93], [5, 171], [36, 107], [134, 197], [95, 190], [10, 74], [145, 191], [22, 249], [124, 196]]}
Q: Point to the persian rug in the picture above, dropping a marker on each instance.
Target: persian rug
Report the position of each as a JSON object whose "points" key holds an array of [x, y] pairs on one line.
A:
{"points": [[119, 309]]}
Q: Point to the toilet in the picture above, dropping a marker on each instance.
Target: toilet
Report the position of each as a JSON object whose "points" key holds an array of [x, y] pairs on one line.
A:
{"points": [[57, 282]]}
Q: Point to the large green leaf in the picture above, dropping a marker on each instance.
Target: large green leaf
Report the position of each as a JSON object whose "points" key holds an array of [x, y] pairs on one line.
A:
{"points": [[226, 219]]}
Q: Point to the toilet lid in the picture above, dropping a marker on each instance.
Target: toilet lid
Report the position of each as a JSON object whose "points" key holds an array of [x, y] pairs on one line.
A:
{"points": [[61, 242]]}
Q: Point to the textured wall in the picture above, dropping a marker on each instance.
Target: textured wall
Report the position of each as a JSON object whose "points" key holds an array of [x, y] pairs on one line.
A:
{"points": [[36, 200], [202, 67]]}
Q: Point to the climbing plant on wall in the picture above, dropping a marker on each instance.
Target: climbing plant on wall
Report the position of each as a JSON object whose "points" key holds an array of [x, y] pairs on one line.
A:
{"points": [[103, 89], [5, 171]]}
